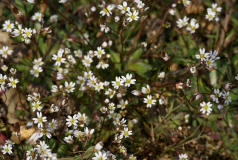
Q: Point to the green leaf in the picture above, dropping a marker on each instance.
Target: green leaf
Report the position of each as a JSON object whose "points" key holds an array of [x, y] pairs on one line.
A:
{"points": [[140, 68], [89, 153], [115, 57], [22, 68], [136, 54], [19, 4]]}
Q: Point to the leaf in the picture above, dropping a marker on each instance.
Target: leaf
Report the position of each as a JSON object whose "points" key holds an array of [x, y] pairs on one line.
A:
{"points": [[139, 67], [89, 153], [136, 55], [19, 4], [115, 57], [22, 68], [62, 149]]}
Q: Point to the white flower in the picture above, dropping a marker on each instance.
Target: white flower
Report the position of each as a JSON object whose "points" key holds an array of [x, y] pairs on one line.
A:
{"points": [[132, 16], [124, 8], [98, 146], [7, 149], [182, 22], [99, 86], [43, 149], [12, 82], [192, 26], [104, 28], [38, 62], [122, 104], [110, 93], [202, 55], [87, 61], [161, 75], [215, 8], [36, 70], [27, 33], [36, 106], [186, 2], [128, 80], [78, 53], [39, 120], [31, 1], [206, 108], [236, 77], [100, 156], [8, 26], [183, 156], [117, 83], [5, 51], [99, 52], [146, 90], [59, 57], [132, 157], [69, 87], [53, 18], [72, 121], [88, 132], [125, 133], [227, 97], [63, 1], [193, 69], [3, 79], [107, 10], [102, 65], [210, 15], [149, 101], [37, 17], [171, 11], [216, 95]]}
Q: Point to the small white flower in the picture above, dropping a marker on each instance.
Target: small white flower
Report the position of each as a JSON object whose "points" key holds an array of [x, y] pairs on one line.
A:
{"points": [[39, 120], [5, 51], [107, 10], [193, 69], [182, 22], [125, 133], [63, 1], [53, 18], [7, 149], [100, 156], [186, 2], [149, 101], [12, 82], [37, 17], [104, 28], [202, 55], [36, 106], [146, 90], [236, 77], [72, 121], [161, 75], [117, 83], [8, 26], [192, 26], [87, 61], [99, 52], [123, 8], [183, 156], [206, 108], [128, 81], [210, 15], [132, 16], [69, 87]]}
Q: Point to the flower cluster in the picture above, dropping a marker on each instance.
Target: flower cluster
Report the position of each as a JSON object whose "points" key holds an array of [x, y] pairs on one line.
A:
{"points": [[207, 58], [16, 30], [212, 13]]}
